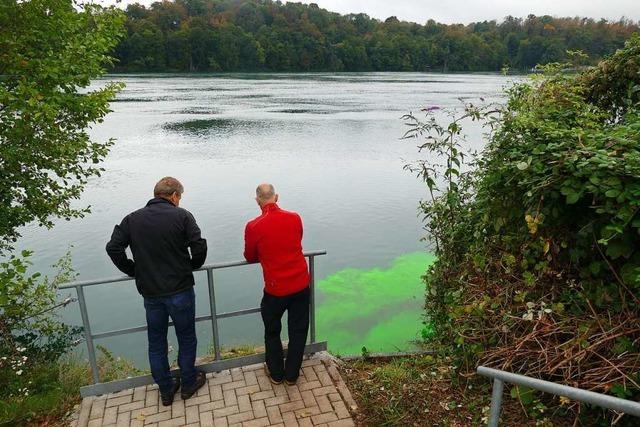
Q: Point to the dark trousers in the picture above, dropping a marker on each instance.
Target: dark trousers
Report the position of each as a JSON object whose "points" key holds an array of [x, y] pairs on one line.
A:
{"points": [[272, 309], [181, 308]]}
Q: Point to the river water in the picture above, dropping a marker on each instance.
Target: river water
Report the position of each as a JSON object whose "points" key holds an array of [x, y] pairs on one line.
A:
{"points": [[330, 145]]}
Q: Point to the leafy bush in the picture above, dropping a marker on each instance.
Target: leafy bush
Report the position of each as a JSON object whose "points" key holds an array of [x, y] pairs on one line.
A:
{"points": [[538, 237]]}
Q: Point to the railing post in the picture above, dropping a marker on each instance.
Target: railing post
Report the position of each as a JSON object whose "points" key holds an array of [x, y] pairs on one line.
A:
{"points": [[312, 300], [87, 335], [496, 402], [214, 318]]}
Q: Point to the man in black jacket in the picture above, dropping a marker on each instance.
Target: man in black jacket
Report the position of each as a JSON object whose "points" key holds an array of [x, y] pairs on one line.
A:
{"points": [[160, 236]]}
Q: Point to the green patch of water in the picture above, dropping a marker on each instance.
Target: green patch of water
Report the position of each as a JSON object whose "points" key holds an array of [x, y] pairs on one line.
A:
{"points": [[380, 309]]}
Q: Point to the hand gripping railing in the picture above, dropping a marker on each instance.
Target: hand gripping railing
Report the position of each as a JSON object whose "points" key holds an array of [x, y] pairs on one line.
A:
{"points": [[598, 399], [218, 364]]}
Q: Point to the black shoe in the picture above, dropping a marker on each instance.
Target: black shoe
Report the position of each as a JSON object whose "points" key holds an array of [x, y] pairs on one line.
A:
{"points": [[187, 392], [167, 398]]}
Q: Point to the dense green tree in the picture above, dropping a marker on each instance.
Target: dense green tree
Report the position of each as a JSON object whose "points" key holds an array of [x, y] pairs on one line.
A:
{"points": [[49, 52], [254, 35]]}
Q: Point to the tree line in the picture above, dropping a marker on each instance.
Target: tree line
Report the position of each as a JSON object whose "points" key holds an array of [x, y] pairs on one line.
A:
{"points": [[266, 35]]}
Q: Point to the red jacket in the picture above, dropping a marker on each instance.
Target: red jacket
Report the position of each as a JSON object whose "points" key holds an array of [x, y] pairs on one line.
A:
{"points": [[275, 239]]}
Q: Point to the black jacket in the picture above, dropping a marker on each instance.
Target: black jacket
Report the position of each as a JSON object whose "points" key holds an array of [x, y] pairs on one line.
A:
{"points": [[160, 236]]}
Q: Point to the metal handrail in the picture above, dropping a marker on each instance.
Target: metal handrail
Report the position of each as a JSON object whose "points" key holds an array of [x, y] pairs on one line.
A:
{"points": [[213, 317], [500, 377]]}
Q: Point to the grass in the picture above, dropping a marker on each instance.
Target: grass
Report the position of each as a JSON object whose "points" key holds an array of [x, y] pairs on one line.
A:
{"points": [[426, 390], [54, 389]]}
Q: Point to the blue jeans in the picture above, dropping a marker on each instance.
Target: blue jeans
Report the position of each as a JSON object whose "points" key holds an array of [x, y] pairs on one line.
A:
{"points": [[181, 307]]}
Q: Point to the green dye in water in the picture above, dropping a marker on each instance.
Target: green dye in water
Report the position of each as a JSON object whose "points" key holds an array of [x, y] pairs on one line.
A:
{"points": [[380, 309]]}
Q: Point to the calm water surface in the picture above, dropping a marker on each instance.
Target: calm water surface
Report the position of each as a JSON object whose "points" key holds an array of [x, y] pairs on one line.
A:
{"points": [[330, 144]]}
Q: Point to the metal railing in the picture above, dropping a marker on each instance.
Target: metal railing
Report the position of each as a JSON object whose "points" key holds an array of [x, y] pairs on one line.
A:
{"points": [[500, 377], [218, 364]]}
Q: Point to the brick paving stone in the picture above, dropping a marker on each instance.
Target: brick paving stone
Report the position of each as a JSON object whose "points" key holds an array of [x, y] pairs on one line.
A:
{"points": [[139, 393], [173, 422], [307, 412], [324, 404], [274, 414], [324, 418], [280, 390], [202, 391], [323, 390], [230, 398], [177, 408], [144, 412], [249, 389], [341, 409], [229, 410], [275, 400], [253, 367], [305, 422], [291, 406], [309, 373], [244, 404], [123, 419], [218, 404], [152, 398], [258, 422], [262, 395], [110, 415], [237, 374], [155, 418], [242, 397], [334, 397], [97, 408], [240, 417], [325, 378], [192, 414], [309, 385], [215, 391], [206, 419], [131, 406], [309, 398], [264, 383], [311, 362], [196, 400], [250, 378], [220, 380], [259, 409], [116, 401], [290, 420], [126, 392], [233, 385], [342, 423]]}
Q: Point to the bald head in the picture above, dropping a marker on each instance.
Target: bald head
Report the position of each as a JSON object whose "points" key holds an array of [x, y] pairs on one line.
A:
{"points": [[265, 194]]}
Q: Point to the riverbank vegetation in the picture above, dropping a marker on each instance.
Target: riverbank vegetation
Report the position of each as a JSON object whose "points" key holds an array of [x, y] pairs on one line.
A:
{"points": [[538, 237], [50, 51], [265, 35]]}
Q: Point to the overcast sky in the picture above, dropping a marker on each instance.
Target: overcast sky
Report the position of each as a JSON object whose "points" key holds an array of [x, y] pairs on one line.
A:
{"points": [[466, 11]]}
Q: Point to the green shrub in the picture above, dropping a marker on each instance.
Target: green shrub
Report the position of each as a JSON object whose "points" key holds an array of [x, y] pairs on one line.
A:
{"points": [[538, 237]]}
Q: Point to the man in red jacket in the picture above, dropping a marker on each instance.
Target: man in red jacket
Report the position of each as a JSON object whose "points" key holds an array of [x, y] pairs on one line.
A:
{"points": [[275, 239]]}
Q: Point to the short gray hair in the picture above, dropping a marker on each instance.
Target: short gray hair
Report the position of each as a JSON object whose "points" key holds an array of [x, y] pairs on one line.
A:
{"points": [[265, 191], [167, 186]]}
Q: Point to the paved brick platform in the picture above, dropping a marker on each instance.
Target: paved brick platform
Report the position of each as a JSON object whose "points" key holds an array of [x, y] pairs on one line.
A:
{"points": [[236, 397]]}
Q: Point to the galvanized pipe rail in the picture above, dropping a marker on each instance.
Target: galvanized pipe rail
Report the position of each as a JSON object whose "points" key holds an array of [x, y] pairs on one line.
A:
{"points": [[500, 377], [218, 364]]}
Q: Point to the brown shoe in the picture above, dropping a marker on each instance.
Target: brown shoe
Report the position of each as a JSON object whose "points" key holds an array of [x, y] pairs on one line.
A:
{"points": [[290, 383], [273, 380], [187, 392]]}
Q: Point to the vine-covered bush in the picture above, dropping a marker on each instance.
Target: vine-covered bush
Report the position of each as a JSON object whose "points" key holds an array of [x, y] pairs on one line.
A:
{"points": [[538, 238]]}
